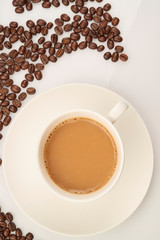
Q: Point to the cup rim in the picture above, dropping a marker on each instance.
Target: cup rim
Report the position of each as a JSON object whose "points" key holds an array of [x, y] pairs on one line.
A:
{"points": [[61, 193]]}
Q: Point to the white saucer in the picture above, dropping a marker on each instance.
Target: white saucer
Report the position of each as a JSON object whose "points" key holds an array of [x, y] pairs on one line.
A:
{"points": [[37, 201]]}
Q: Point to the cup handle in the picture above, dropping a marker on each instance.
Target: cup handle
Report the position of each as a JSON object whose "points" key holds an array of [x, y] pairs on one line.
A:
{"points": [[117, 111]]}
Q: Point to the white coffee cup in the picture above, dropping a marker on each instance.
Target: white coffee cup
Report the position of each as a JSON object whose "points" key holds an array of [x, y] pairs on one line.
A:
{"points": [[108, 123]]}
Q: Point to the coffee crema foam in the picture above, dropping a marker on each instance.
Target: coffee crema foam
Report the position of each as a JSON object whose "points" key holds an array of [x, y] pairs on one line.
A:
{"points": [[80, 155]]}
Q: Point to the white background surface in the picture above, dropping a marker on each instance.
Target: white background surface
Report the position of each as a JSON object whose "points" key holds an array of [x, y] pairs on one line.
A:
{"points": [[137, 80]]}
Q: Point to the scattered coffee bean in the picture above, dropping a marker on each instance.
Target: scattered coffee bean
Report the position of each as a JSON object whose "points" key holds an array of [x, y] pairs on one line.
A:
{"points": [[9, 217], [107, 7], [119, 49], [15, 89], [65, 17], [22, 96], [59, 22], [52, 58], [67, 49], [55, 3], [115, 21], [12, 225], [58, 30], [100, 48], [30, 24], [74, 45], [41, 40], [11, 96], [49, 25], [75, 36], [123, 57], [75, 9], [6, 120], [67, 27], [12, 108], [92, 45], [46, 4], [0, 158], [117, 38], [82, 45], [44, 59], [107, 55], [31, 90], [77, 18], [110, 44], [38, 75], [17, 104], [115, 57], [59, 53], [29, 77], [29, 236], [24, 83]]}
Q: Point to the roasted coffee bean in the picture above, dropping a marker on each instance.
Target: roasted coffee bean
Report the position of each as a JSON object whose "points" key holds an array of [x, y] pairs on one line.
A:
{"points": [[31, 90], [13, 38], [8, 45], [46, 4], [93, 34], [19, 9], [5, 103], [2, 216], [2, 63], [38, 75], [36, 1], [67, 27], [12, 108], [4, 76], [55, 3], [77, 18], [94, 26], [1, 28], [2, 97], [22, 50], [74, 45], [99, 11], [41, 51], [4, 91], [41, 22], [6, 122], [33, 31], [22, 96], [54, 38], [30, 24], [82, 45], [29, 236], [11, 96], [44, 59], [6, 31], [24, 83], [115, 30], [115, 57], [12, 237], [117, 38], [107, 16], [24, 65], [110, 35], [65, 2], [38, 28], [88, 16], [119, 49], [18, 230], [77, 30], [67, 49], [75, 36], [22, 39], [34, 57], [17, 104], [28, 43], [3, 69], [110, 44], [115, 21], [65, 17], [107, 7], [123, 57], [28, 53], [19, 60], [66, 41], [47, 44], [83, 10], [13, 30], [34, 47], [20, 30], [29, 6], [41, 40], [8, 83], [107, 55], [5, 111], [13, 24], [92, 45], [97, 19], [16, 67], [85, 31], [27, 35], [79, 3], [58, 45], [2, 224], [75, 24], [92, 10], [83, 24], [31, 68], [102, 39], [75, 9], [15, 89], [1, 115], [1, 127], [10, 62], [39, 66], [59, 22], [2, 37], [9, 217], [103, 24], [49, 25], [4, 56], [59, 53], [29, 77], [0, 139], [58, 30], [88, 39], [51, 51], [52, 58]]}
